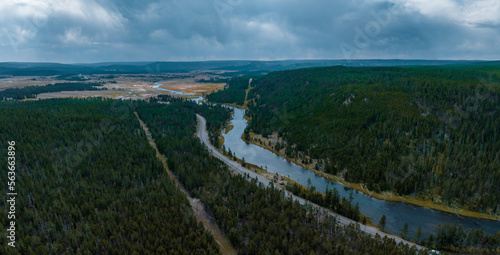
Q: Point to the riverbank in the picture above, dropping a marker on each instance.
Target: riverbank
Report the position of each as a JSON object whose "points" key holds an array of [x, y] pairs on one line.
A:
{"points": [[237, 106], [229, 128], [389, 196]]}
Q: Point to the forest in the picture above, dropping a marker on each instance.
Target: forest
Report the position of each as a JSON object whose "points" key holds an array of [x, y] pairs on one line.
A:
{"points": [[432, 132], [32, 91], [455, 239], [90, 183], [331, 200], [235, 95]]}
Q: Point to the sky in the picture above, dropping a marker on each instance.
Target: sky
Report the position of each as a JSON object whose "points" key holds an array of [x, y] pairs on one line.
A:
{"points": [[83, 31]]}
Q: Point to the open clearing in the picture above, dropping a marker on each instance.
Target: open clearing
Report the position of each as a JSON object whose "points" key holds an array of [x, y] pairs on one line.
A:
{"points": [[125, 87], [194, 88], [23, 81]]}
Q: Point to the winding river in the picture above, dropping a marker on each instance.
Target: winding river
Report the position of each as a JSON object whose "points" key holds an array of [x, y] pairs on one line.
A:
{"points": [[396, 213]]}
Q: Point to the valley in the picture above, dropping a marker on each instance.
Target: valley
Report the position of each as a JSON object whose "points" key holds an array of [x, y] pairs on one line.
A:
{"points": [[258, 158], [249, 127]]}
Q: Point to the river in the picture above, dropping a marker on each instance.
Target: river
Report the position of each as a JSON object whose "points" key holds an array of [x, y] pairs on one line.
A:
{"points": [[396, 213]]}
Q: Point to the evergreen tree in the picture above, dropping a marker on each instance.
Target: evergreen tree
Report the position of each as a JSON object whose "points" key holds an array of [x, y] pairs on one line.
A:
{"points": [[418, 235], [404, 231], [381, 223]]}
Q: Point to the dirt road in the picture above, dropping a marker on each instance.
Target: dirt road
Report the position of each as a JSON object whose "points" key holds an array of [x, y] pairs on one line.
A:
{"points": [[198, 208]]}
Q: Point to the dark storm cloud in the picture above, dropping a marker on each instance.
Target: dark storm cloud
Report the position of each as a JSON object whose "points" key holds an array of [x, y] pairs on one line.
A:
{"points": [[130, 30]]}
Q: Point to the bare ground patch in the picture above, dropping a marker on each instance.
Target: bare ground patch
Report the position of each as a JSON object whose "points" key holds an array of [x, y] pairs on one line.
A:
{"points": [[122, 87], [193, 88]]}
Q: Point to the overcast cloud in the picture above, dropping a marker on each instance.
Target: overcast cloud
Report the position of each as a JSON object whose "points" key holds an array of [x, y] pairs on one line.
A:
{"points": [[72, 31]]}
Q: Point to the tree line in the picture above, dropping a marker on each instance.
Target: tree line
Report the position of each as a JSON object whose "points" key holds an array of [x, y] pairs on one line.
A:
{"points": [[32, 91]]}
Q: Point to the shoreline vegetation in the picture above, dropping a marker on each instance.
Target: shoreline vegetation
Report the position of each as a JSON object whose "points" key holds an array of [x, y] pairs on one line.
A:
{"points": [[237, 106], [229, 128], [389, 196]]}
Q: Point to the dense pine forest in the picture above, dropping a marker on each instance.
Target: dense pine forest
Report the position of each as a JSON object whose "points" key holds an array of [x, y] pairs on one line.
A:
{"points": [[427, 131], [256, 219], [234, 95], [88, 182]]}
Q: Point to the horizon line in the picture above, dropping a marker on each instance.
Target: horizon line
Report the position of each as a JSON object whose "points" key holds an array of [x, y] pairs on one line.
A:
{"points": [[252, 60]]}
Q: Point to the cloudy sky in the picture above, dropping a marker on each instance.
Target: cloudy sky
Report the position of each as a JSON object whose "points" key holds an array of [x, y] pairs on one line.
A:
{"points": [[79, 31]]}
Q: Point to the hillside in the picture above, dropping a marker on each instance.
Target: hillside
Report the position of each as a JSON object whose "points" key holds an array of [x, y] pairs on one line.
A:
{"points": [[238, 67], [423, 131]]}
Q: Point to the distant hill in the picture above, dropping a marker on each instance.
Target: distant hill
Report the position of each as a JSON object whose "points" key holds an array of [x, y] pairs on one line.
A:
{"points": [[243, 66]]}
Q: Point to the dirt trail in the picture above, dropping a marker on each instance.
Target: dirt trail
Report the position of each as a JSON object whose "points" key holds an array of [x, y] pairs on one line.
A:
{"points": [[200, 214]]}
